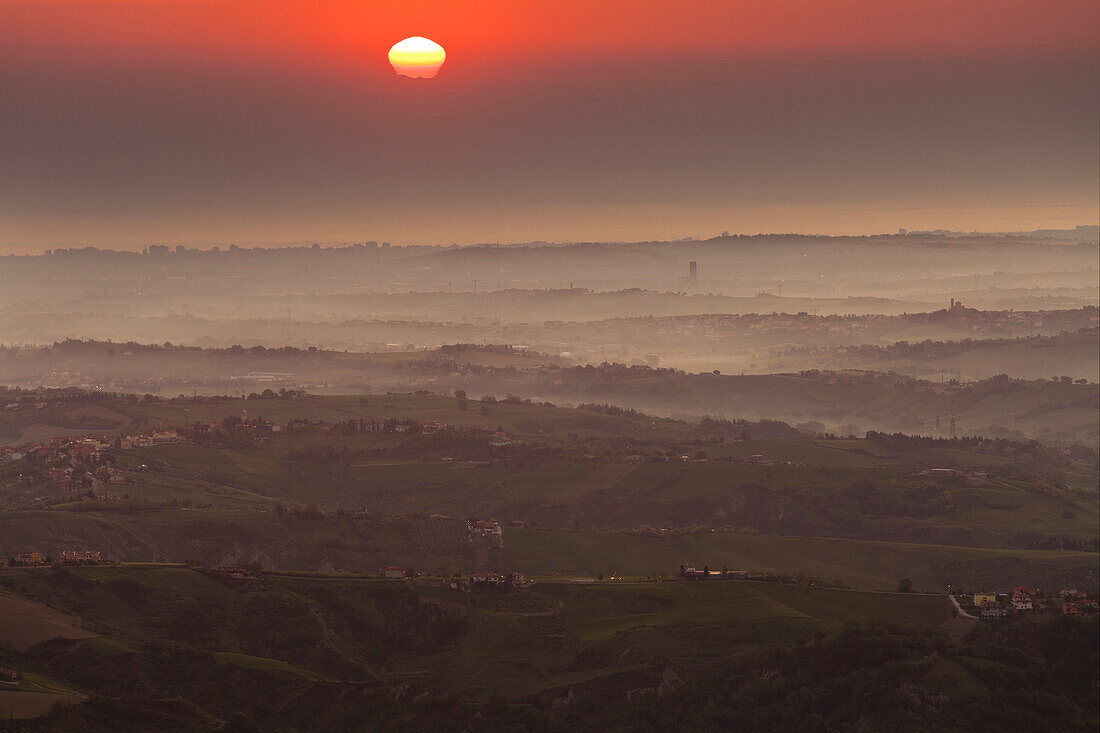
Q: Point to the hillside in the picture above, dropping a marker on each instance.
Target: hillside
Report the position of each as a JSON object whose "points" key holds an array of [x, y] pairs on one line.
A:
{"points": [[763, 336], [360, 482], [280, 650], [1057, 409], [1076, 355]]}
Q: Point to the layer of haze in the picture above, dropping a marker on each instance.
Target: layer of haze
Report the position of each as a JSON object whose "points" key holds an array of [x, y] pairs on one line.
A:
{"points": [[124, 124]]}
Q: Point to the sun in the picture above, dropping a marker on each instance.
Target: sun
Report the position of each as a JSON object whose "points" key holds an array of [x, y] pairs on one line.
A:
{"points": [[417, 57]]}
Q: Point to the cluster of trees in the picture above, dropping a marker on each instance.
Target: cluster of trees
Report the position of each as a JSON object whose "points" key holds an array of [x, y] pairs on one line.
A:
{"points": [[1065, 543], [923, 499]]}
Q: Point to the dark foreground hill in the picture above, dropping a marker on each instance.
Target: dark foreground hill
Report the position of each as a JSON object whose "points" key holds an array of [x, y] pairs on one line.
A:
{"points": [[181, 650]]}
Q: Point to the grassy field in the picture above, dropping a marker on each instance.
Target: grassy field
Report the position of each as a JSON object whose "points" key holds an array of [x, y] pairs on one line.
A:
{"points": [[857, 563], [246, 661], [601, 610], [24, 624], [26, 704], [805, 492], [560, 633]]}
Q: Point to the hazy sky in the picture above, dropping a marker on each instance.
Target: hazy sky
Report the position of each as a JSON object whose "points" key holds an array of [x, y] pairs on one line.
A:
{"points": [[129, 123]]}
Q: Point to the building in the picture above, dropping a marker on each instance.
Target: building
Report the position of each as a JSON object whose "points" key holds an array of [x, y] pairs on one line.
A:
{"points": [[1070, 608], [992, 610], [693, 271], [234, 572], [9, 675], [28, 559], [489, 580], [394, 572], [981, 598], [943, 472], [484, 528], [80, 557]]}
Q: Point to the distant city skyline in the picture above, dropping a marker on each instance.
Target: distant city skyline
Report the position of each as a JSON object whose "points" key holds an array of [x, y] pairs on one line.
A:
{"points": [[1084, 230]]}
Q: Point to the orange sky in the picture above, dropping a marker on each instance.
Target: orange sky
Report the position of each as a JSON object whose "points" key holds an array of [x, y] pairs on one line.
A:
{"points": [[193, 120]]}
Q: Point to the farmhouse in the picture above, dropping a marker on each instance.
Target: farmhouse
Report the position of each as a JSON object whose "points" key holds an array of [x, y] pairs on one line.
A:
{"points": [[484, 528], [394, 572], [943, 472], [234, 572], [992, 610], [488, 580], [1022, 598], [9, 675], [29, 559]]}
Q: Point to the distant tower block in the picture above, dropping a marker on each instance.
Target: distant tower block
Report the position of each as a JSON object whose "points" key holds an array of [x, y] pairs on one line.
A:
{"points": [[693, 271], [954, 429]]}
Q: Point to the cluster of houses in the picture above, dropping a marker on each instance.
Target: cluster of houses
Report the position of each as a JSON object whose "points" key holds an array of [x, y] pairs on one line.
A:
{"points": [[489, 528], [994, 606], [1077, 604], [705, 573], [947, 472], [73, 464], [28, 559], [143, 440], [81, 557], [490, 581], [68, 557], [476, 582], [235, 573], [60, 450]]}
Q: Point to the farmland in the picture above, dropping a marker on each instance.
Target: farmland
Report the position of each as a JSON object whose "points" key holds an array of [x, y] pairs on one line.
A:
{"points": [[598, 506]]}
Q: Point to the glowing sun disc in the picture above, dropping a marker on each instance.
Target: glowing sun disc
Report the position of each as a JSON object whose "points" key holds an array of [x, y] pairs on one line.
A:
{"points": [[417, 57]]}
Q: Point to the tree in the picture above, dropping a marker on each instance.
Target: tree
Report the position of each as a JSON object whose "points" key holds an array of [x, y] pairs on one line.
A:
{"points": [[905, 586]]}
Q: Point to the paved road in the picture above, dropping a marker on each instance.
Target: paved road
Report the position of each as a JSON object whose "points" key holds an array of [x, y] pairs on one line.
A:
{"points": [[958, 608]]}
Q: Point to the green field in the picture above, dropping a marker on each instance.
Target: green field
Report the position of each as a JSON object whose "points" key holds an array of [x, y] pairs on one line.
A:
{"points": [[857, 563]]}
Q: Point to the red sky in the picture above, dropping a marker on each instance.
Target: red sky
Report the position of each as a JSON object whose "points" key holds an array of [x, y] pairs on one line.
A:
{"points": [[271, 120], [496, 28]]}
